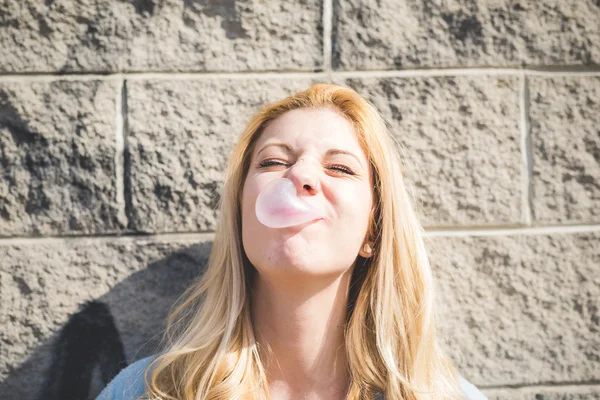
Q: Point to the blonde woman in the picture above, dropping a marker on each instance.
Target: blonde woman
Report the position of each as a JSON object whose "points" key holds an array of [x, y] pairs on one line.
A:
{"points": [[340, 307]]}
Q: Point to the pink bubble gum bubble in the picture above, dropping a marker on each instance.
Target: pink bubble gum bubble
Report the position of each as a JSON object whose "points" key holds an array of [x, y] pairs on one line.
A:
{"points": [[278, 206]]}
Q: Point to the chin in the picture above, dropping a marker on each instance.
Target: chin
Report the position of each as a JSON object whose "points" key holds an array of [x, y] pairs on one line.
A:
{"points": [[299, 273]]}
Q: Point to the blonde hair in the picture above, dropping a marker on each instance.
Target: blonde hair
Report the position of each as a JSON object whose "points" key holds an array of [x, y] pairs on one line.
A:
{"points": [[391, 344]]}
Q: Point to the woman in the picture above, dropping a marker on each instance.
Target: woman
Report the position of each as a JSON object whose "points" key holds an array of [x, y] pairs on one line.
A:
{"points": [[336, 308]]}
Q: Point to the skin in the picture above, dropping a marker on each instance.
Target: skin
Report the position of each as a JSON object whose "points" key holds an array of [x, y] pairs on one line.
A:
{"points": [[303, 272]]}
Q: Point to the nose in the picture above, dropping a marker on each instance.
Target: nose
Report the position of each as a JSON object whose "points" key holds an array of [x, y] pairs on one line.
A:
{"points": [[305, 177]]}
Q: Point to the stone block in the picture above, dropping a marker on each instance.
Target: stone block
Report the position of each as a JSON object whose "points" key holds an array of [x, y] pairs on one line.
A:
{"points": [[565, 137], [522, 309], [42, 284], [461, 144], [170, 35], [181, 134], [390, 34], [503, 394], [57, 158]]}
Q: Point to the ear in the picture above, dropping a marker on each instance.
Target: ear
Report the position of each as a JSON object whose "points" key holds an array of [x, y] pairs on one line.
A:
{"points": [[366, 250]]}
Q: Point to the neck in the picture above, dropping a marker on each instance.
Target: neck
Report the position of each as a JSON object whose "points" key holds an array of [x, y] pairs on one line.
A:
{"points": [[300, 332]]}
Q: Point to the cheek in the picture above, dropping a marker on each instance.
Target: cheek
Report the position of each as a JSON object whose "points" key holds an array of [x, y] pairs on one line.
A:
{"points": [[248, 201], [252, 229], [355, 202], [249, 224]]}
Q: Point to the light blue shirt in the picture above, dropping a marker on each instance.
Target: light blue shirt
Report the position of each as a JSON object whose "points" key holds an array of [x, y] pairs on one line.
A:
{"points": [[129, 384]]}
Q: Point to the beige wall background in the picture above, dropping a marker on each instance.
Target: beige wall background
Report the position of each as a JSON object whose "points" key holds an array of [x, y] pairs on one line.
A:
{"points": [[117, 119]]}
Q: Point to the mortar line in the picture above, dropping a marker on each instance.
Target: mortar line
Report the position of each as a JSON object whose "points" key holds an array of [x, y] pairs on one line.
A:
{"points": [[557, 73], [126, 173], [123, 238], [9, 241], [166, 75], [426, 72], [327, 33], [119, 147], [50, 77], [539, 230], [573, 387], [526, 153]]}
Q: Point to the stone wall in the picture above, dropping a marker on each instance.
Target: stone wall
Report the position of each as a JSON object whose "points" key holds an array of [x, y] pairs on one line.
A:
{"points": [[117, 118]]}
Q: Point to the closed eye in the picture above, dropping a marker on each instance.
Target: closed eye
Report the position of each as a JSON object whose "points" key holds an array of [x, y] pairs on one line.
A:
{"points": [[336, 167]]}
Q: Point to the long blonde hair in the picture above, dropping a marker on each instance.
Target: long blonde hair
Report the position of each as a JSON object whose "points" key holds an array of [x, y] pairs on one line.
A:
{"points": [[210, 348]]}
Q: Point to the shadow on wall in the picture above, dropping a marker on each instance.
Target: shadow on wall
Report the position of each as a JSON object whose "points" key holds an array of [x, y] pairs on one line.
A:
{"points": [[138, 306]]}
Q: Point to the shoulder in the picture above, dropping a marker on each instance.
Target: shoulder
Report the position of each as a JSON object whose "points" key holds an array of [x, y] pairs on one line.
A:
{"points": [[129, 384], [470, 391]]}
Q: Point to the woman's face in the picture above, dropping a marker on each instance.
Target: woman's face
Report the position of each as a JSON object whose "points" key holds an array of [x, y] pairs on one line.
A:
{"points": [[302, 145]]}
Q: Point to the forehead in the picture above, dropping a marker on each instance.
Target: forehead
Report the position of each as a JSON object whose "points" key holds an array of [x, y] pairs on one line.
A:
{"points": [[303, 128]]}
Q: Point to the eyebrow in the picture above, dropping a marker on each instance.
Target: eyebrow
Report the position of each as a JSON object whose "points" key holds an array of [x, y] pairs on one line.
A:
{"points": [[330, 152]]}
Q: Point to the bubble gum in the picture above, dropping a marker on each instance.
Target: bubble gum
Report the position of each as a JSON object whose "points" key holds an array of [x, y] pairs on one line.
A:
{"points": [[278, 206]]}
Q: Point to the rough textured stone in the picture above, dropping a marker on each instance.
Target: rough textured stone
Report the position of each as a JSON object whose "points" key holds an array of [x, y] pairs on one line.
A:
{"points": [[386, 34], [518, 309], [553, 393], [42, 284], [565, 136], [461, 144], [181, 134], [503, 394], [57, 158], [69, 35], [521, 309]]}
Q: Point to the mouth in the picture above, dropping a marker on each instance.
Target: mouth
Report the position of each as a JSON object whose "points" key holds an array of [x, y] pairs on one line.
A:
{"points": [[304, 225]]}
